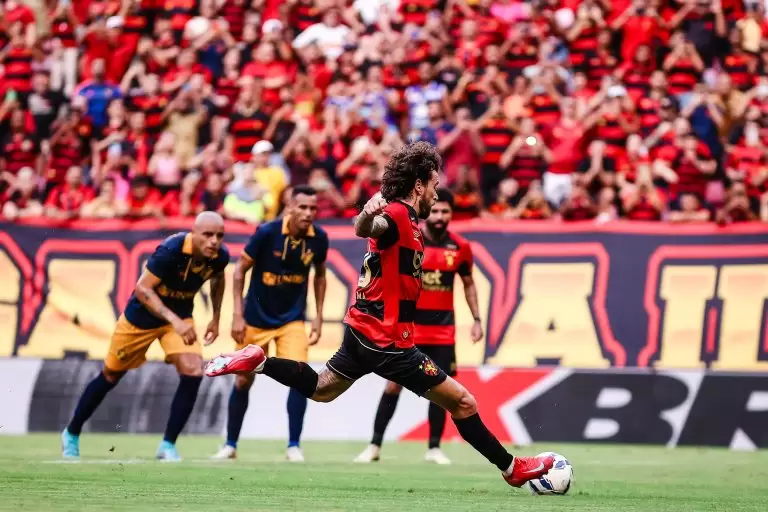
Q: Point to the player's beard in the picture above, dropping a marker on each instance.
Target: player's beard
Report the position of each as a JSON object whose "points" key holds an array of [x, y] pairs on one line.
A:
{"points": [[437, 229], [424, 209]]}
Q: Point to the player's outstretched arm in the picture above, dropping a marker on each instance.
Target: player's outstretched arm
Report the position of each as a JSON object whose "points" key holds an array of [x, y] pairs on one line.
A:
{"points": [[145, 292], [238, 284], [369, 224]]}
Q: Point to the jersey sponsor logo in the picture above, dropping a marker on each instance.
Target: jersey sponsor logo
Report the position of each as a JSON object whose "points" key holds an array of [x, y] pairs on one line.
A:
{"points": [[271, 279]]}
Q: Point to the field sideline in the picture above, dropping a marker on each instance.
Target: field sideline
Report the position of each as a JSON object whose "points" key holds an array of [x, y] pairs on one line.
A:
{"points": [[117, 473]]}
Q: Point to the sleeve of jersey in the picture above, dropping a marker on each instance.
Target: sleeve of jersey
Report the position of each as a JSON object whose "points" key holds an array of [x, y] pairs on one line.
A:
{"points": [[390, 236], [161, 262], [255, 243], [466, 260]]}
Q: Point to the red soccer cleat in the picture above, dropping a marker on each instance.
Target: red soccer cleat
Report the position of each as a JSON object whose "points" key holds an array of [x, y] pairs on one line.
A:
{"points": [[245, 361], [528, 468]]}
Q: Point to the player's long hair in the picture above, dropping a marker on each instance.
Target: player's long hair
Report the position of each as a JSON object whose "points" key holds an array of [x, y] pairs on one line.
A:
{"points": [[407, 164]]}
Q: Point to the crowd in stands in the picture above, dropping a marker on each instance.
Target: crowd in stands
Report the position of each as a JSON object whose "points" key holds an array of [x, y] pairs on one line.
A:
{"points": [[570, 109]]}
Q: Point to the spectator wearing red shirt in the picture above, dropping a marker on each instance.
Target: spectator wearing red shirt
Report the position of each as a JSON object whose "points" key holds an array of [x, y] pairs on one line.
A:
{"points": [[66, 200], [212, 198], [639, 24], [747, 163], [186, 67], [105, 41], [737, 207], [17, 58], [143, 199], [683, 65], [578, 206], [16, 12], [18, 148], [22, 199], [274, 74], [567, 144], [690, 210]]}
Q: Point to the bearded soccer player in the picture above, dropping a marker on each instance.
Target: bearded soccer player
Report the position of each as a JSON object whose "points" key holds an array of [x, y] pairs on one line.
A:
{"points": [[445, 255], [379, 337], [161, 309], [281, 254]]}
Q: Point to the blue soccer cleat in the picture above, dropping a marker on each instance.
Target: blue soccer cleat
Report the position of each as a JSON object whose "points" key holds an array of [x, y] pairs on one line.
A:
{"points": [[168, 452], [70, 445]]}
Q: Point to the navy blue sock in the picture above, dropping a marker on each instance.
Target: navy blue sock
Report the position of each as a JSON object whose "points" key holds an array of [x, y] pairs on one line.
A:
{"points": [[297, 406], [92, 396], [238, 404], [181, 407]]}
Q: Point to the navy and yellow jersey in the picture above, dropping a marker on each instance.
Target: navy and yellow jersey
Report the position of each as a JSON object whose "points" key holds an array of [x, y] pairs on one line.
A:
{"points": [[180, 279], [278, 290]]}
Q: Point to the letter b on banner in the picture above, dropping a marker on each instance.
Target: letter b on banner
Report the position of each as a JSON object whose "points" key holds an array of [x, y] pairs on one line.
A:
{"points": [[605, 407]]}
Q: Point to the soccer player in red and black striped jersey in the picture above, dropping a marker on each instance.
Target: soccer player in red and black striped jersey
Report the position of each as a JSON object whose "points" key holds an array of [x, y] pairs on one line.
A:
{"points": [[445, 255], [379, 337]]}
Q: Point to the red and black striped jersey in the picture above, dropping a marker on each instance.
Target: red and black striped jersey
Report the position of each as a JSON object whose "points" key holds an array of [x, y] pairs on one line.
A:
{"points": [[649, 111], [18, 68], [682, 77], [246, 130], [19, 150], [233, 11], [443, 260], [496, 135], [305, 15], [527, 167], [228, 87], [738, 68], [520, 55], [690, 179], [544, 110], [585, 43], [752, 162], [611, 132], [390, 281], [153, 107], [599, 64], [68, 151]]}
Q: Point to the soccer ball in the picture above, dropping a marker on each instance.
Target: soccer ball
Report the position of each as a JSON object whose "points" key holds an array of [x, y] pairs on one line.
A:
{"points": [[557, 480]]}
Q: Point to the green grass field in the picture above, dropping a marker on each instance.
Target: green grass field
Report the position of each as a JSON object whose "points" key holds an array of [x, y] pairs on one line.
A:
{"points": [[117, 473]]}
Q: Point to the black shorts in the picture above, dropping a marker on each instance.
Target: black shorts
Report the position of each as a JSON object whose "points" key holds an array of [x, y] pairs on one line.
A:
{"points": [[444, 356], [408, 367]]}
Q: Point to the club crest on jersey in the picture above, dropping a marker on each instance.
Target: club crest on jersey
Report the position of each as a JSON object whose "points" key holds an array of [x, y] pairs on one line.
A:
{"points": [[416, 235], [429, 367], [306, 257], [450, 257]]}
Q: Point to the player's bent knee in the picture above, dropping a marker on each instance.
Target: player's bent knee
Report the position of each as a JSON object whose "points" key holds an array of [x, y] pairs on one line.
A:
{"points": [[392, 388], [112, 376], [190, 365], [244, 382], [466, 405]]}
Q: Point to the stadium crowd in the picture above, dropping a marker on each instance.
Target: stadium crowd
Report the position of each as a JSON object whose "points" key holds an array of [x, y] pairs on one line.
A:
{"points": [[575, 109]]}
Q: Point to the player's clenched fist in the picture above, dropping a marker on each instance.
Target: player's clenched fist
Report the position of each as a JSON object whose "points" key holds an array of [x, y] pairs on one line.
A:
{"points": [[374, 205], [186, 331]]}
